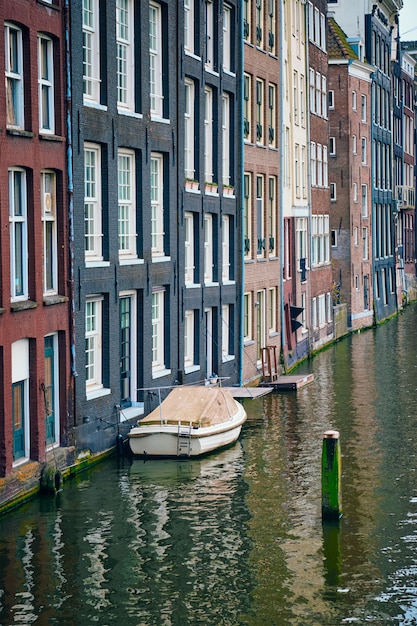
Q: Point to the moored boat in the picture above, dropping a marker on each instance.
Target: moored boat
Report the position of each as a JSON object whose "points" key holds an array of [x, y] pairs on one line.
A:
{"points": [[190, 422]]}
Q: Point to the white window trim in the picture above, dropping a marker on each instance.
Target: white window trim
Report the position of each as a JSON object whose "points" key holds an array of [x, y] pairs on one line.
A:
{"points": [[94, 201], [208, 135], [125, 55], [226, 355], [14, 76], [158, 332], [225, 139], [46, 84], [127, 204], [157, 205], [189, 248], [155, 61], [208, 248], [247, 312], [91, 31], [225, 248], [189, 134], [94, 337], [49, 214], [14, 220]]}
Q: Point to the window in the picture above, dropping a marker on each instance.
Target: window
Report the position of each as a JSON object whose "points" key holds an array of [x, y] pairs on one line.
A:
{"points": [[157, 204], [333, 192], [227, 38], [301, 239], [126, 201], [259, 110], [48, 205], [312, 91], [355, 236], [247, 317], [155, 60], [124, 48], [51, 389], [272, 313], [319, 165], [158, 331], [354, 100], [247, 213], [92, 202], [363, 108], [297, 169], [364, 201], [246, 20], [208, 135], [330, 97], [318, 95], [324, 96], [363, 150], [189, 26], [20, 400], [260, 182], [189, 129], [18, 234], [189, 339], [354, 144], [208, 248], [271, 28], [272, 116], [325, 168], [365, 243], [46, 85], [259, 20], [247, 86], [320, 252], [227, 333], [226, 143], [226, 232], [334, 238], [303, 172], [332, 146], [302, 101], [313, 164], [295, 97], [14, 76], [210, 34], [355, 192], [272, 214], [91, 51], [93, 343], [189, 248]]}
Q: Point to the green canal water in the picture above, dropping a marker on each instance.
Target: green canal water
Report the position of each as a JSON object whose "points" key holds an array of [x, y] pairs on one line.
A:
{"points": [[237, 538]]}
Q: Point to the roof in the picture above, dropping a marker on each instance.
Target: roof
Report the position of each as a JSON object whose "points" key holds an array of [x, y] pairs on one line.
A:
{"points": [[338, 46], [200, 406]]}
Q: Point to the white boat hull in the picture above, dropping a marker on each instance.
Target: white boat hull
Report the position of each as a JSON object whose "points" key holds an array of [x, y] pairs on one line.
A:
{"points": [[161, 440]]}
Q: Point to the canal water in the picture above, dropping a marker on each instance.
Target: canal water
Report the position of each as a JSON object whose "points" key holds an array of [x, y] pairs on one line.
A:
{"points": [[237, 538]]}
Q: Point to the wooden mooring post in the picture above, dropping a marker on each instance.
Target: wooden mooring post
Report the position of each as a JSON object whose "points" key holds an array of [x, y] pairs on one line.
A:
{"points": [[331, 471]]}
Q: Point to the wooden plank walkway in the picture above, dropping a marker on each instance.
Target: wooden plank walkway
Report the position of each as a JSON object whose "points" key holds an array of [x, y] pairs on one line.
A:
{"points": [[249, 392], [290, 382]]}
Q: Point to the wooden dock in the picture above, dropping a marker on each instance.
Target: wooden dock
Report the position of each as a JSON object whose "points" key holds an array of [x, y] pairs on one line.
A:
{"points": [[250, 392], [290, 382]]}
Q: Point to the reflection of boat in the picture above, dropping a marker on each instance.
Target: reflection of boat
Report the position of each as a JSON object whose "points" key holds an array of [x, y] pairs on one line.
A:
{"points": [[190, 422]]}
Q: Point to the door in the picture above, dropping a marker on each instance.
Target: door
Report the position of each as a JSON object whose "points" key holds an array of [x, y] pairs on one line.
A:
{"points": [[125, 350], [18, 414], [49, 390]]}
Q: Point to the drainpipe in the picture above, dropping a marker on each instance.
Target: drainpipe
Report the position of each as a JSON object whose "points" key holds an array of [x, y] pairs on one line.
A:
{"points": [[68, 100], [241, 195]]}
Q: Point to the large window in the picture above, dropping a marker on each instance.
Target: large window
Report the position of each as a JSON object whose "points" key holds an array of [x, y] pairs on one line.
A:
{"points": [[18, 234], [260, 88], [20, 400], [189, 248], [208, 135], [189, 340], [126, 201], [46, 84], [48, 204], [155, 59], [91, 51], [272, 116], [14, 76], [157, 204], [227, 38], [272, 216], [210, 34], [247, 214], [189, 129], [189, 25], [208, 248], [247, 317], [260, 218], [125, 56], [226, 260], [93, 343], [92, 202], [227, 334], [320, 252], [158, 331], [247, 87], [226, 143]]}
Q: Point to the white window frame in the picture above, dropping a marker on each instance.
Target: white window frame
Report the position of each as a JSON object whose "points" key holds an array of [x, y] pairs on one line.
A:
{"points": [[14, 77], [355, 192], [272, 215], [365, 253], [226, 265], [325, 168], [125, 54], [227, 38], [319, 165], [157, 204], [208, 248], [92, 202], [363, 108], [272, 312], [158, 332], [189, 341], [93, 343], [260, 111], [208, 134], [272, 108], [91, 51], [247, 214], [209, 60], [155, 60], [189, 262], [126, 217], [364, 196], [363, 151], [247, 106], [189, 128], [330, 99], [247, 317], [226, 139], [313, 164], [333, 192], [354, 101], [49, 227], [260, 216], [354, 145], [226, 354], [18, 228], [332, 146], [46, 84], [189, 38]]}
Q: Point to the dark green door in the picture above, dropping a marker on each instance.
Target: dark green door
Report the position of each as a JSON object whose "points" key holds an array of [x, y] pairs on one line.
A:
{"points": [[125, 350], [18, 413], [49, 391]]}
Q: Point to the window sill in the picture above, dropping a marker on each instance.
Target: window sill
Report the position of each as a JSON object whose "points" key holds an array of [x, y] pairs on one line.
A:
{"points": [[131, 412], [160, 259], [211, 283], [228, 282], [51, 137], [131, 261], [23, 305], [161, 120], [192, 285], [54, 299], [128, 113], [228, 357], [97, 263], [19, 132], [97, 393], [160, 373], [94, 105], [190, 369]]}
